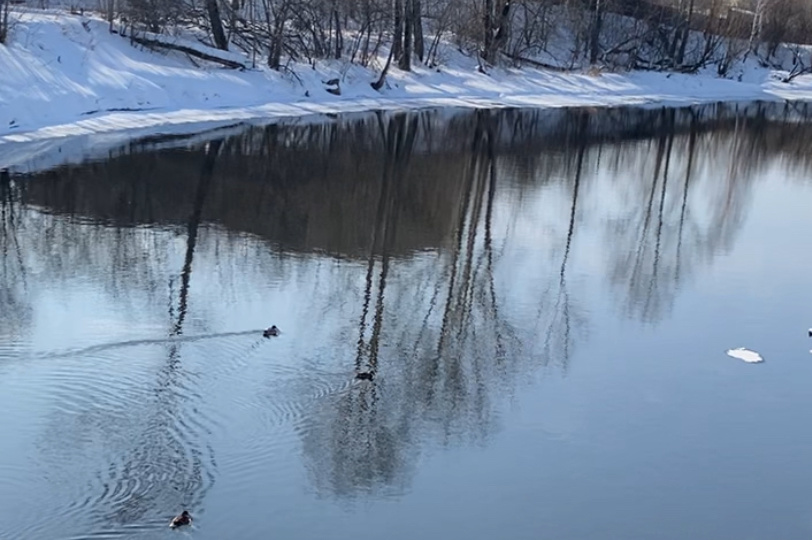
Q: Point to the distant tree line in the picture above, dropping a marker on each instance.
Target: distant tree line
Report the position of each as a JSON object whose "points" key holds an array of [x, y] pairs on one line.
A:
{"points": [[681, 35]]}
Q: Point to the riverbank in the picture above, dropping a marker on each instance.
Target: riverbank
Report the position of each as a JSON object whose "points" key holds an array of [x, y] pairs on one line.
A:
{"points": [[66, 75]]}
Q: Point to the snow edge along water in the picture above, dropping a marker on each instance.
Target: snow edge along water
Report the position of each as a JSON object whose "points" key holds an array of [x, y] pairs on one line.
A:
{"points": [[68, 77]]}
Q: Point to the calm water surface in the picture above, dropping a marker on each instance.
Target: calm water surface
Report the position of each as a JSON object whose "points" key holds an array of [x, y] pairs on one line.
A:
{"points": [[545, 298]]}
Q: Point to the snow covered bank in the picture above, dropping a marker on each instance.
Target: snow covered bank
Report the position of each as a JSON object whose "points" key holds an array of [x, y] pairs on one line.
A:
{"points": [[66, 75]]}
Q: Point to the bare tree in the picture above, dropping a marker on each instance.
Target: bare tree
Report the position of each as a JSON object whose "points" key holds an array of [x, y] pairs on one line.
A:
{"points": [[417, 23], [216, 23], [4, 9], [596, 21], [495, 22], [757, 25], [405, 60], [109, 9], [397, 31]]}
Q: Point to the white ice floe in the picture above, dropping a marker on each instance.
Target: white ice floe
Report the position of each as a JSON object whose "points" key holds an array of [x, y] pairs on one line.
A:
{"points": [[745, 355]]}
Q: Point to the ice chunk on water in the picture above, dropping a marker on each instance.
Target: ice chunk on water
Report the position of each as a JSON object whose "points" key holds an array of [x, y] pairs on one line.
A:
{"points": [[746, 355]]}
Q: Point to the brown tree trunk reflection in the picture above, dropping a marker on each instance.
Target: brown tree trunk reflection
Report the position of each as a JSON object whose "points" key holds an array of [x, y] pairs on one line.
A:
{"points": [[192, 229]]}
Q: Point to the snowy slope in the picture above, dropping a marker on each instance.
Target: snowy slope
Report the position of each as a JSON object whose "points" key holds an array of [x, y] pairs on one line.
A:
{"points": [[65, 75], [61, 68]]}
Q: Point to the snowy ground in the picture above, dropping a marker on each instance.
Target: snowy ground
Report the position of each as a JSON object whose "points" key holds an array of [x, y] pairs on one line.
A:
{"points": [[65, 75]]}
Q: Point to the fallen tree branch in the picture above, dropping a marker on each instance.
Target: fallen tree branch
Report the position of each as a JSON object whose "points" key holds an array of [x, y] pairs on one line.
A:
{"points": [[532, 62], [158, 42]]}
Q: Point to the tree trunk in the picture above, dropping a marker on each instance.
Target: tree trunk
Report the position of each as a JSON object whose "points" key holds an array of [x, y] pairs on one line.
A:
{"points": [[4, 20], [339, 35], [487, 27], [685, 33], [405, 60], [595, 34], [111, 12], [275, 54], [397, 38], [501, 29], [377, 85], [213, 10], [755, 29], [495, 30], [417, 22], [677, 28]]}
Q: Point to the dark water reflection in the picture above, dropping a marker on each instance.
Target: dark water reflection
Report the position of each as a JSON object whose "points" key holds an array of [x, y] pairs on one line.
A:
{"points": [[544, 298]]}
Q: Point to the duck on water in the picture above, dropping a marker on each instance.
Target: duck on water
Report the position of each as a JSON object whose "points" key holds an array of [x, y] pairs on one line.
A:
{"points": [[184, 518], [273, 331]]}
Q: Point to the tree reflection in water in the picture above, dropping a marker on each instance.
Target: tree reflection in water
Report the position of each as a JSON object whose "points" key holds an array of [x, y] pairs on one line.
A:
{"points": [[460, 298]]}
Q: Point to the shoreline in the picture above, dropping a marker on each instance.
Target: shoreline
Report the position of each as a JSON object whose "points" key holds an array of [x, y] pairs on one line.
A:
{"points": [[185, 121], [36, 155], [68, 78]]}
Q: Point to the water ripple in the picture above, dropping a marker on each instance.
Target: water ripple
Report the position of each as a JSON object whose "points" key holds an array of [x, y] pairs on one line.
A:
{"points": [[93, 349], [128, 436]]}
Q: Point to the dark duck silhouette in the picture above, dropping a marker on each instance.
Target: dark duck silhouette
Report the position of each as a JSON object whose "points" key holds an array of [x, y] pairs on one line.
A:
{"points": [[364, 376], [273, 331], [185, 518]]}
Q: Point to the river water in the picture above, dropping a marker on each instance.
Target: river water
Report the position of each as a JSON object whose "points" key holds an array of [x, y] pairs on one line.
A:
{"points": [[544, 297]]}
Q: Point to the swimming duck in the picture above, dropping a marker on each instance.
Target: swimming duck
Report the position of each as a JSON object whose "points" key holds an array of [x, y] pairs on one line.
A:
{"points": [[185, 518], [364, 376], [272, 331]]}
